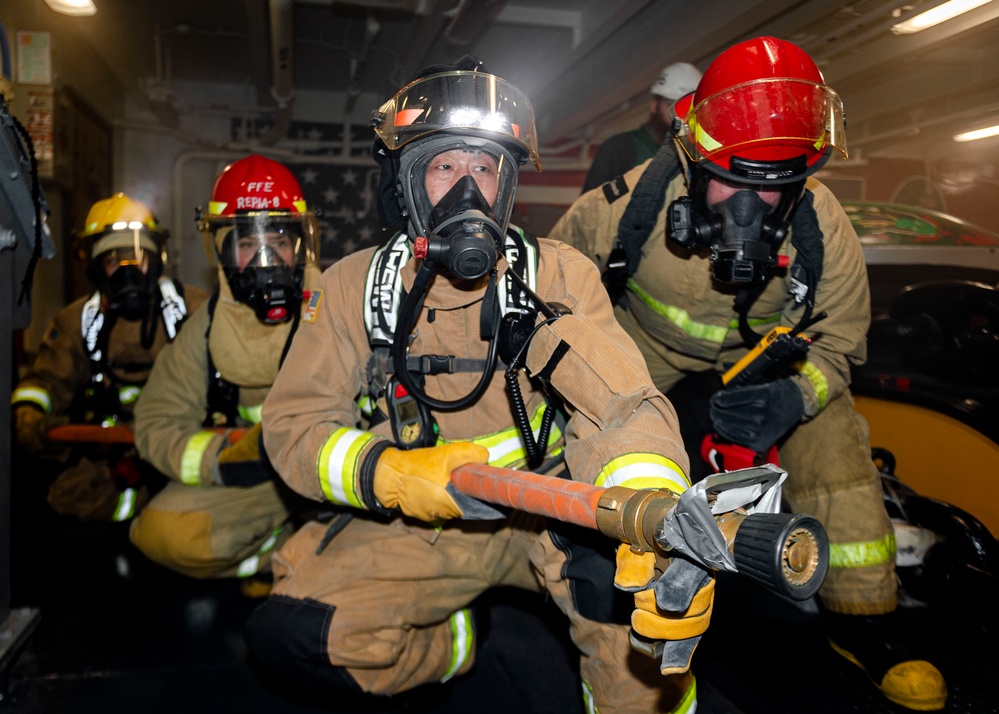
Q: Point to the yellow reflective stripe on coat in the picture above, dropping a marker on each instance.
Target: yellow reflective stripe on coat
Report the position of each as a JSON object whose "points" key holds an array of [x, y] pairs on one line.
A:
{"points": [[642, 470], [194, 452], [338, 465], [589, 703], [687, 705], [681, 318], [862, 554], [35, 395], [126, 506], [129, 394], [507, 446], [818, 381], [250, 566], [462, 636], [250, 415]]}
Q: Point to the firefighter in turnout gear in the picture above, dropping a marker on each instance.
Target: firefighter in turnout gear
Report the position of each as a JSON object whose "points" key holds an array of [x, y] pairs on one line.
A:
{"points": [[223, 511], [96, 357], [724, 235], [477, 343]]}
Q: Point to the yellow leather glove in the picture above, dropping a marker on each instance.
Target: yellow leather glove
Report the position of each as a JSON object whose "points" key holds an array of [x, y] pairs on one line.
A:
{"points": [[415, 480], [636, 573], [29, 428]]}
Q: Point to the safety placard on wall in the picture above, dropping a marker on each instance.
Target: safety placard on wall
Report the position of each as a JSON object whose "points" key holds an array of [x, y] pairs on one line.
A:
{"points": [[34, 58]]}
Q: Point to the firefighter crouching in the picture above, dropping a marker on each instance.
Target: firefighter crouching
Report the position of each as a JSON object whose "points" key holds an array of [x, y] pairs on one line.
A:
{"points": [[478, 343], [223, 512], [724, 235], [95, 359]]}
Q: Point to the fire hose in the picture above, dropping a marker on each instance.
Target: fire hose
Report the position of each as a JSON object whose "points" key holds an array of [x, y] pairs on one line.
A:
{"points": [[714, 523], [787, 553]]}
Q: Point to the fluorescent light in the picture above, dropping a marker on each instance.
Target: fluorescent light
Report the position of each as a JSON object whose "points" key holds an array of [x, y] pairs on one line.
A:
{"points": [[936, 15], [978, 134], [73, 7]]}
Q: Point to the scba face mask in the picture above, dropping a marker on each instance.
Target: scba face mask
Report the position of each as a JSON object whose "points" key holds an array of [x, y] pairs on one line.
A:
{"points": [[464, 234], [129, 292], [487, 174], [743, 231], [263, 262], [274, 292]]}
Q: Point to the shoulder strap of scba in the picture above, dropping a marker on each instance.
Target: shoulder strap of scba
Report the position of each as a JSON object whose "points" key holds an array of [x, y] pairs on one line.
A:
{"points": [[383, 291], [649, 196], [173, 310]]}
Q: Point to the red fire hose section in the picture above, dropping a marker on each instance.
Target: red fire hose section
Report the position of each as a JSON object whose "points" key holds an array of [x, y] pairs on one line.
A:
{"points": [[561, 499]]}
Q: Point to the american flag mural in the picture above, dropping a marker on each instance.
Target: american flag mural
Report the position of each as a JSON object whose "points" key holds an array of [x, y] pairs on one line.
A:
{"points": [[341, 189]]}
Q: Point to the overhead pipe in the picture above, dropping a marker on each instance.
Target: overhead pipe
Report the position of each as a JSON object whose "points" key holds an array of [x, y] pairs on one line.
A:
{"points": [[282, 91], [357, 63]]}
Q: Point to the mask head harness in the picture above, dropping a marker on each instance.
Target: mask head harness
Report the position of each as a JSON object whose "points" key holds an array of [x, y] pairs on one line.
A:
{"points": [[262, 235]]}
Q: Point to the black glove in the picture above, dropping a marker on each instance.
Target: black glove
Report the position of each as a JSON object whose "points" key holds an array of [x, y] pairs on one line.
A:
{"points": [[758, 415], [245, 463]]}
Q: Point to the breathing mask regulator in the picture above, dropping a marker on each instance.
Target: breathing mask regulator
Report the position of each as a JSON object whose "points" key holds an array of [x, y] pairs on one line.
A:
{"points": [[464, 234], [130, 292], [743, 231]]}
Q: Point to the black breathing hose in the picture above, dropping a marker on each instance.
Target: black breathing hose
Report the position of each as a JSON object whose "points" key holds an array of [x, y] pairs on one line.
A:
{"points": [[407, 318]]}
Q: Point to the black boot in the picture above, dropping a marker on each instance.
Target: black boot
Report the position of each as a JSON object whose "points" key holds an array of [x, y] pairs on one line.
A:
{"points": [[870, 644]]}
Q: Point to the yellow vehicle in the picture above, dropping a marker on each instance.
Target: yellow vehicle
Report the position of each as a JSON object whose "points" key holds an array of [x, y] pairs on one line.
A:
{"points": [[930, 387]]}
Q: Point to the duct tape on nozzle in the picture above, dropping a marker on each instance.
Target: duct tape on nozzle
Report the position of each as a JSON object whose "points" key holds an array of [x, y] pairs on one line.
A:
{"points": [[690, 528]]}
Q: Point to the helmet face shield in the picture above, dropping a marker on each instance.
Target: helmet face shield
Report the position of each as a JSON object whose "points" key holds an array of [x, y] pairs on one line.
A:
{"points": [[768, 121], [263, 240], [464, 103], [263, 257]]}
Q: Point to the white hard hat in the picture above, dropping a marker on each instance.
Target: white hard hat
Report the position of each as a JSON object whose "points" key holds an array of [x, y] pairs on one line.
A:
{"points": [[676, 80]]}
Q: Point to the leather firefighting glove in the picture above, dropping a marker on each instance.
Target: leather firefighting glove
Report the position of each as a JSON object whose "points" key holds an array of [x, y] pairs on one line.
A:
{"points": [[245, 462], [29, 427], [416, 480], [673, 611], [757, 415]]}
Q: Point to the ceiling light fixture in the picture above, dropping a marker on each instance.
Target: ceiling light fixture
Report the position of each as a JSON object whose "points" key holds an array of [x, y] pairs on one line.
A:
{"points": [[978, 134], [79, 8], [934, 16]]}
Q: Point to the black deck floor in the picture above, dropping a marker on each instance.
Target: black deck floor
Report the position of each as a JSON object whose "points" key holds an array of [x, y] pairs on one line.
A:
{"points": [[117, 633]]}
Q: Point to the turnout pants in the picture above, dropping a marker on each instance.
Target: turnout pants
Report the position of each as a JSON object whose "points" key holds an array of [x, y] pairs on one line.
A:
{"points": [[383, 607], [213, 532]]}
